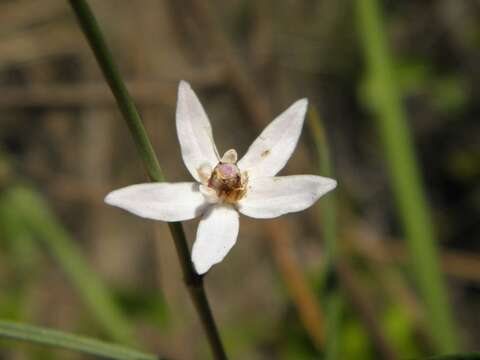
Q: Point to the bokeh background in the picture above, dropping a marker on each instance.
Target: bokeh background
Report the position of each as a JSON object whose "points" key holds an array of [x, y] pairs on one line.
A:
{"points": [[70, 262]]}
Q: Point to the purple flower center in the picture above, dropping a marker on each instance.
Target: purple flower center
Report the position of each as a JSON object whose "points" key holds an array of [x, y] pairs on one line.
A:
{"points": [[227, 170], [228, 182]]}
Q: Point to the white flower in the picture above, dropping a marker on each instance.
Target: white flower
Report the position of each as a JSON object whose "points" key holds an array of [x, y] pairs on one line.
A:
{"points": [[225, 187]]}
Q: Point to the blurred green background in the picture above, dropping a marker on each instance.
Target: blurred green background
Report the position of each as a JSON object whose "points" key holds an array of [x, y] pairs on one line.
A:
{"points": [[383, 78]]}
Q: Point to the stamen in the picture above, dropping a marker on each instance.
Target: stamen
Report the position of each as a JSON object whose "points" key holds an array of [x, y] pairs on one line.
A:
{"points": [[230, 157], [204, 172]]}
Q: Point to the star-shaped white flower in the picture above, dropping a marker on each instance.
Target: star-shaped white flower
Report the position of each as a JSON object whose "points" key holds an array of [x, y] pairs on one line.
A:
{"points": [[225, 187]]}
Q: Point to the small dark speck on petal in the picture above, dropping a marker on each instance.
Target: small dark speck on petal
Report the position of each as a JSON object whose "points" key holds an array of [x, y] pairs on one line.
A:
{"points": [[265, 153]]}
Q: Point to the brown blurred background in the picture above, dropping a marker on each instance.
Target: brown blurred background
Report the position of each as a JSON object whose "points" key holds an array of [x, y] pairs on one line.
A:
{"points": [[62, 137]]}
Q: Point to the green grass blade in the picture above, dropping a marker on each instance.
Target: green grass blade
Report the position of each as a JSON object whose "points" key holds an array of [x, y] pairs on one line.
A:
{"points": [[405, 176], [19, 240], [325, 169], [333, 300], [68, 341], [333, 311], [37, 216]]}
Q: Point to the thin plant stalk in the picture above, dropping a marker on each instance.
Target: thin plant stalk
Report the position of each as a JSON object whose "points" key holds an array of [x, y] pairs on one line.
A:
{"points": [[60, 339], [130, 114], [35, 215], [20, 241], [333, 311], [405, 175], [337, 270], [333, 299]]}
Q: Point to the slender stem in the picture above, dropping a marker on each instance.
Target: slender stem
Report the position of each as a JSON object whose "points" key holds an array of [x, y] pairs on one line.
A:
{"points": [[337, 267], [325, 168], [333, 299], [60, 339], [129, 111], [404, 172]]}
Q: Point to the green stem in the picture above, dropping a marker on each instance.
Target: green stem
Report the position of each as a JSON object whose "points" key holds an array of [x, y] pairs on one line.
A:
{"points": [[333, 311], [405, 175], [104, 58], [333, 300], [68, 341]]}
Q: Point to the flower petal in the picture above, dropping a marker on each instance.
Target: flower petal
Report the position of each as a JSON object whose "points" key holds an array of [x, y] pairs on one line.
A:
{"points": [[270, 197], [271, 150], [160, 201], [216, 234], [194, 132]]}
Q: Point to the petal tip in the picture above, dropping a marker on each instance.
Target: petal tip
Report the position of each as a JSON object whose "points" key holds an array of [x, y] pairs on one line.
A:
{"points": [[333, 184], [200, 268], [327, 186], [114, 198], [302, 104], [324, 185], [303, 101], [109, 199], [184, 84], [184, 87], [300, 108]]}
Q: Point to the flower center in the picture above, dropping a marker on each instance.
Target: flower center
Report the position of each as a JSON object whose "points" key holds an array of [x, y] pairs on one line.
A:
{"points": [[228, 182]]}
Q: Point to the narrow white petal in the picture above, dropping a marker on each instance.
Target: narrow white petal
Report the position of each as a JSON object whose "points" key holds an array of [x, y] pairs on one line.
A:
{"points": [[194, 132], [216, 234], [270, 197], [160, 201], [269, 153]]}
